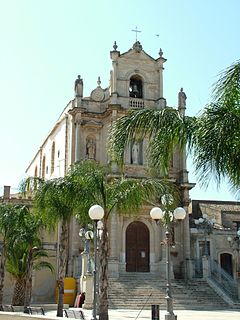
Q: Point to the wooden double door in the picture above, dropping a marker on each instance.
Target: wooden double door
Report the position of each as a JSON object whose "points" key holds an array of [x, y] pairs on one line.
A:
{"points": [[137, 247]]}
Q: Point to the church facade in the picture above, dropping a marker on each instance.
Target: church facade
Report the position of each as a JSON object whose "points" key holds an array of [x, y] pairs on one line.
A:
{"points": [[81, 132]]}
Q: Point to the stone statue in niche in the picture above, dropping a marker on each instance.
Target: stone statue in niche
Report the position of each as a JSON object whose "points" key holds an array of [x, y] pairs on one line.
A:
{"points": [[182, 99], [135, 153], [91, 149], [78, 88]]}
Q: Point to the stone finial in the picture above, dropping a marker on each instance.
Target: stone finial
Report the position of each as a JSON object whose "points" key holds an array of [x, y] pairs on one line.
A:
{"points": [[137, 46], [160, 52], [115, 46], [99, 82]]}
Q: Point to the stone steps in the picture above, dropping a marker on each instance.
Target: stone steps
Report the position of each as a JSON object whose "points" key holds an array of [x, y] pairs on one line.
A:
{"points": [[136, 292]]}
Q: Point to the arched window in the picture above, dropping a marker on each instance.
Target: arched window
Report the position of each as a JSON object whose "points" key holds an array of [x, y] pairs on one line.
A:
{"points": [[53, 157], [43, 166], [136, 87], [36, 171]]}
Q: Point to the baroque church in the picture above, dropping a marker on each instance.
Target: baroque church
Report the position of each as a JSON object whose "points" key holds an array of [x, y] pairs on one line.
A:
{"points": [[136, 81]]}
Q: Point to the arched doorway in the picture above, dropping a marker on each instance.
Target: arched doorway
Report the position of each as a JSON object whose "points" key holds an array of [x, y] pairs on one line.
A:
{"points": [[137, 247], [226, 263]]}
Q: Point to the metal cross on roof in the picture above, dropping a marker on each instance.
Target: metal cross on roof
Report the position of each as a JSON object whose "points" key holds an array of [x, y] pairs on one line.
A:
{"points": [[136, 30]]}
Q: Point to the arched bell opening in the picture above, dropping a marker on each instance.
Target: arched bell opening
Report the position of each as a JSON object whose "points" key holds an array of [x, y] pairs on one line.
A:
{"points": [[136, 87]]}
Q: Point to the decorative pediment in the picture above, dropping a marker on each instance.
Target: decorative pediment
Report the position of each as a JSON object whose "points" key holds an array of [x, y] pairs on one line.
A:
{"points": [[137, 51], [92, 124]]}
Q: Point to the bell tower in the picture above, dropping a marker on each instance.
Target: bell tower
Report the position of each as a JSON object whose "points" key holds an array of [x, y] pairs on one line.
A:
{"points": [[136, 78]]}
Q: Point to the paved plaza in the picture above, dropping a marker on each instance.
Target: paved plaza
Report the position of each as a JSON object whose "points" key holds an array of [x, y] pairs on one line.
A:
{"points": [[124, 314]]}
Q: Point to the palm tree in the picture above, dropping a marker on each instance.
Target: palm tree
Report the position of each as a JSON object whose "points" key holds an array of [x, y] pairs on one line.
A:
{"points": [[95, 185], [17, 265], [212, 136], [9, 218], [27, 230], [53, 201]]}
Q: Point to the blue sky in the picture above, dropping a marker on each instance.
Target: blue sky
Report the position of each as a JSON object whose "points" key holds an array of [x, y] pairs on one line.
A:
{"points": [[46, 44]]}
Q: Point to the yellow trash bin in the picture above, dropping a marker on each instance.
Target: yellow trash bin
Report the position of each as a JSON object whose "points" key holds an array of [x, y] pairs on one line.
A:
{"points": [[70, 288]]}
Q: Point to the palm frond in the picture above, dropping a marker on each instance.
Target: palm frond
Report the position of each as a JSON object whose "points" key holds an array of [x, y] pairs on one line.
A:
{"points": [[166, 129], [227, 88], [217, 141], [128, 195]]}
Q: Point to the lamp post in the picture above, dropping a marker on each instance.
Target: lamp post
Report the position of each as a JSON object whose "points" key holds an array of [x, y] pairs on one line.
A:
{"points": [[167, 217], [87, 236], [96, 213], [206, 225]]}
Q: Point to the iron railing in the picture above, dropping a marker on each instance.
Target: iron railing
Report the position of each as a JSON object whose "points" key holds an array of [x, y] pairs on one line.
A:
{"points": [[223, 279]]}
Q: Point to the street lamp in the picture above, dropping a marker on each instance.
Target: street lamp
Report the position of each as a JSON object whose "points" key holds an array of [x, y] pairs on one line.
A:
{"points": [[167, 217], [206, 225], [96, 213], [235, 242]]}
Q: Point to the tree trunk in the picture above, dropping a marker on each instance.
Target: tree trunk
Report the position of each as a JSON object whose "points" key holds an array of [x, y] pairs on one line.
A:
{"points": [[62, 266], [19, 292], [103, 275], [31, 284], [2, 275], [28, 280]]}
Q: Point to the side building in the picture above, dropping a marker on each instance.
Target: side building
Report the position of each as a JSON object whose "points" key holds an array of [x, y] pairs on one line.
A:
{"points": [[214, 229]]}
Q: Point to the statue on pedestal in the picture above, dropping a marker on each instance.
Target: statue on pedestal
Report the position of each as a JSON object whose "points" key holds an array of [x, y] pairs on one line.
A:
{"points": [[78, 87], [91, 149]]}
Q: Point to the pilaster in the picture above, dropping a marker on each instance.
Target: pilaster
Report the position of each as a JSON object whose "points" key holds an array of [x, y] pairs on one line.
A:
{"points": [[113, 261], [77, 140]]}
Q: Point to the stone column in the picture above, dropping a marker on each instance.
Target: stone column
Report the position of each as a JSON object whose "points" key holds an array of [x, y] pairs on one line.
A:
{"points": [[88, 289], [238, 284], [161, 60], [114, 56], [189, 268], [114, 79], [205, 267]]}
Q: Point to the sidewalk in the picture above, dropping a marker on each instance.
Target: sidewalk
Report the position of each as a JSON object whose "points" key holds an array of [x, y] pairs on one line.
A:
{"points": [[124, 314]]}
